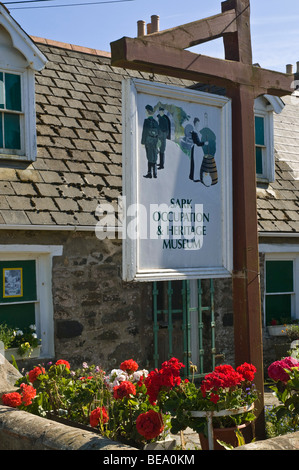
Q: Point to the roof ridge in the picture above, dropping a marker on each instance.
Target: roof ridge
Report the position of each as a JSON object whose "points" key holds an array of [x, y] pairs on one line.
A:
{"points": [[72, 47]]}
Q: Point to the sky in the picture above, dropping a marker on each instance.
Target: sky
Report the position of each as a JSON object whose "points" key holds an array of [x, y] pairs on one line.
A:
{"points": [[274, 23]]}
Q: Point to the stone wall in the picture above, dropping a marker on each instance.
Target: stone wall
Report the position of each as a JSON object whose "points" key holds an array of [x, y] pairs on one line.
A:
{"points": [[20, 430], [97, 317], [285, 442], [102, 320]]}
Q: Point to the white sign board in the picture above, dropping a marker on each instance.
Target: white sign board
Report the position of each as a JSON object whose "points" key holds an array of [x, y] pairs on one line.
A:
{"points": [[177, 183]]}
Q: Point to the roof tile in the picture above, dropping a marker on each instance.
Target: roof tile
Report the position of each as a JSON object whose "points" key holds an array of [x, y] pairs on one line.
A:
{"points": [[79, 163]]}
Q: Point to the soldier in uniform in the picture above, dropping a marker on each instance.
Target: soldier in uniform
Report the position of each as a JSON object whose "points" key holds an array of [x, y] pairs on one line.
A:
{"points": [[164, 134], [149, 139]]}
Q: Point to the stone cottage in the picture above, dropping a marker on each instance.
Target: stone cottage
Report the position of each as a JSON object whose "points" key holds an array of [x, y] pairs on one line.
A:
{"points": [[60, 158]]}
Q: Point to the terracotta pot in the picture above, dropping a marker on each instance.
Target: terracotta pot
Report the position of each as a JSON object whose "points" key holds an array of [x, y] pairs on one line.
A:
{"points": [[227, 435]]}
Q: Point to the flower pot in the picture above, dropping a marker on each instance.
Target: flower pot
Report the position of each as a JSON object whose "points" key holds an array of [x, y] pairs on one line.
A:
{"points": [[227, 435], [14, 352], [277, 330]]}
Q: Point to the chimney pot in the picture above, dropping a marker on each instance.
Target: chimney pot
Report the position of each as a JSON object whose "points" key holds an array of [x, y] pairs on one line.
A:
{"points": [[155, 23], [140, 28], [149, 28], [289, 68], [297, 67]]}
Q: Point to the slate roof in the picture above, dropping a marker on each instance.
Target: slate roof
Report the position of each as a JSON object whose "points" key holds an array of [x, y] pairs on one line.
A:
{"points": [[278, 203], [78, 109]]}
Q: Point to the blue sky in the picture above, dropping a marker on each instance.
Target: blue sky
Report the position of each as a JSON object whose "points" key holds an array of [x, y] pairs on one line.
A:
{"points": [[274, 24]]}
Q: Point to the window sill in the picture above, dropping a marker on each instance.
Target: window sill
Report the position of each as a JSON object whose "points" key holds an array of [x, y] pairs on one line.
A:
{"points": [[10, 157]]}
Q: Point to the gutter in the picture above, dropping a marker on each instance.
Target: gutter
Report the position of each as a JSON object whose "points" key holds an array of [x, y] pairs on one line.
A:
{"points": [[61, 228], [278, 234]]}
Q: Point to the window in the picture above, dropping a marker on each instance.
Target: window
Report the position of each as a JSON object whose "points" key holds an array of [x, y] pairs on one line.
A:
{"points": [[264, 108], [26, 290], [11, 115], [260, 148], [280, 294], [18, 293], [19, 59]]}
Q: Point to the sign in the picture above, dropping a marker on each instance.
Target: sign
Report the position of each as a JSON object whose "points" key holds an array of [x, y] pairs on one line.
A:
{"points": [[177, 183], [12, 282]]}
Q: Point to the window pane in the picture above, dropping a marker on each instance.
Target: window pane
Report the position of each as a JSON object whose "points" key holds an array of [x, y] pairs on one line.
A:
{"points": [[259, 160], [1, 91], [1, 132], [259, 131], [279, 276], [278, 307], [28, 279], [13, 92], [12, 134], [18, 316]]}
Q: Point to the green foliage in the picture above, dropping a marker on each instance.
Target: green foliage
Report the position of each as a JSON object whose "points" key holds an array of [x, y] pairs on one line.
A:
{"points": [[292, 331], [25, 340], [6, 335], [285, 417], [73, 395], [186, 397]]}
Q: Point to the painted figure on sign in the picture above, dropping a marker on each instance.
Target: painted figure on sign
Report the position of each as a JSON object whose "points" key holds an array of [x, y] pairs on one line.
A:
{"points": [[196, 152], [186, 141], [164, 134], [208, 171], [149, 139]]}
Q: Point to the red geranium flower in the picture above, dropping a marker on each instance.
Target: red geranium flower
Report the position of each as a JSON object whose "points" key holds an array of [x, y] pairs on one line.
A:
{"points": [[214, 398], [222, 377], [247, 371], [150, 424], [129, 366], [165, 378], [13, 399], [125, 389], [62, 361], [98, 415], [34, 373], [28, 393]]}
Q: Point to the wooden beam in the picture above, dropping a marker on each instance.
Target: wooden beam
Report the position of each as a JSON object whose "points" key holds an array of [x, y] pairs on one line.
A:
{"points": [[197, 32], [238, 44], [143, 55]]}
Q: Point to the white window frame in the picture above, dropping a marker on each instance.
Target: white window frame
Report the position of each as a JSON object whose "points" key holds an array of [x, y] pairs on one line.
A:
{"points": [[283, 253], [44, 312], [261, 109], [34, 61]]}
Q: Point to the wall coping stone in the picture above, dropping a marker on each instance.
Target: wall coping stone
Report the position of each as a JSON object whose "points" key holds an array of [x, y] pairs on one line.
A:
{"points": [[285, 442], [20, 430]]}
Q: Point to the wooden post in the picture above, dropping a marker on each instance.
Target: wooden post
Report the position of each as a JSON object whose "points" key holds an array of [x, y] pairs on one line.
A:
{"points": [[246, 278], [246, 281]]}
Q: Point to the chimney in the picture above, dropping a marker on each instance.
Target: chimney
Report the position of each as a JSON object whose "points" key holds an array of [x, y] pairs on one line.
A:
{"points": [[140, 28], [152, 27], [155, 19], [289, 68]]}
